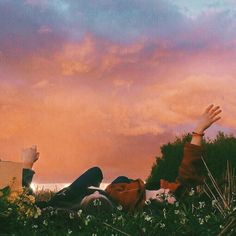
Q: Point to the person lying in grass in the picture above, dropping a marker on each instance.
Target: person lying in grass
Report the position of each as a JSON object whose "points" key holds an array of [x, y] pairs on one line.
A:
{"points": [[130, 194]]}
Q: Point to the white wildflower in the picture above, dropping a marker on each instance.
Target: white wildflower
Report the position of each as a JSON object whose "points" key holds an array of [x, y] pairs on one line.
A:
{"points": [[87, 220], [207, 217], [120, 218], [119, 207], [148, 218], [79, 213], [202, 205], [45, 223], [164, 213], [213, 203], [201, 221], [147, 202], [176, 212], [71, 215], [70, 231], [37, 213], [191, 193], [183, 221], [97, 202], [162, 225]]}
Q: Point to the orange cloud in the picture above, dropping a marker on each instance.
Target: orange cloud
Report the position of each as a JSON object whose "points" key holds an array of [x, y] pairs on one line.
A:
{"points": [[99, 103]]}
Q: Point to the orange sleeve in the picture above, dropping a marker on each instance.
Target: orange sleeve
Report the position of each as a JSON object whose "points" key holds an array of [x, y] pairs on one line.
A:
{"points": [[190, 171], [191, 167]]}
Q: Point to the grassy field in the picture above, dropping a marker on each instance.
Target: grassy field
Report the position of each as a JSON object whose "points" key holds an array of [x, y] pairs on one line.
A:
{"points": [[210, 211]]}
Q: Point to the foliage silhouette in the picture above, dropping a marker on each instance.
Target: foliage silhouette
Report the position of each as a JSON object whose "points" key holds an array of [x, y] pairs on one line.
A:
{"points": [[216, 153]]}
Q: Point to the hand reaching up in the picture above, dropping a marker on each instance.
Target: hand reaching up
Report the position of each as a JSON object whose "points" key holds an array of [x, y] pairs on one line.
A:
{"points": [[209, 117], [29, 156]]}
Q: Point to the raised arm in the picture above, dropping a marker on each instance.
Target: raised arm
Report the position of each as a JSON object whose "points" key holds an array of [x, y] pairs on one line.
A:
{"points": [[210, 116], [29, 156], [191, 168]]}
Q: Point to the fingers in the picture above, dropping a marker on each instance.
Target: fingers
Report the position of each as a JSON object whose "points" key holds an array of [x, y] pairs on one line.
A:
{"points": [[214, 109], [215, 114], [215, 119], [209, 108], [37, 156]]}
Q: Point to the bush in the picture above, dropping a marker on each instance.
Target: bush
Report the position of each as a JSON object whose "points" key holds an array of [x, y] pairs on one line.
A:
{"points": [[217, 152]]}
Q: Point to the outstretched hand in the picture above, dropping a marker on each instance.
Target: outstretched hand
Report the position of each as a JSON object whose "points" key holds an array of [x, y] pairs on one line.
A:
{"points": [[209, 117], [30, 155]]}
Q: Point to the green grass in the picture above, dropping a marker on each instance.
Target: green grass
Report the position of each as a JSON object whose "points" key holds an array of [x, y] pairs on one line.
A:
{"points": [[210, 211]]}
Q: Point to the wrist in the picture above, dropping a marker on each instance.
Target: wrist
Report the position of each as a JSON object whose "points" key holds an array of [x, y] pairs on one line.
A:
{"points": [[28, 165], [197, 134], [199, 130]]}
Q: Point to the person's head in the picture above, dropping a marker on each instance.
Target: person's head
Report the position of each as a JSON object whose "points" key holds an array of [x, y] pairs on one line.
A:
{"points": [[96, 203]]}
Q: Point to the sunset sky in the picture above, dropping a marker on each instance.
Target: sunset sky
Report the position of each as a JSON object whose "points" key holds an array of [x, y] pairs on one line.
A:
{"points": [[107, 82]]}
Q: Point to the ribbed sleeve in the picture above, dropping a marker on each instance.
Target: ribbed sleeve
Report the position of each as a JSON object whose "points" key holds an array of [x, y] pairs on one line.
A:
{"points": [[191, 168], [27, 177]]}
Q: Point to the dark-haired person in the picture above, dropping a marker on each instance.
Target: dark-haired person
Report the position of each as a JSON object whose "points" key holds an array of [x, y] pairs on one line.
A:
{"points": [[84, 190]]}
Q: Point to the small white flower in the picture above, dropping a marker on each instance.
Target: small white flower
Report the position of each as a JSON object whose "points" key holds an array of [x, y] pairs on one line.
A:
{"points": [[87, 220], [148, 218], [72, 215], [144, 230], [79, 213], [97, 202], [162, 225], [45, 222], [120, 217], [35, 226], [38, 212], [176, 212], [213, 203], [207, 217], [119, 207], [202, 205], [164, 213], [183, 221], [147, 202], [201, 221], [89, 217], [191, 193], [70, 231]]}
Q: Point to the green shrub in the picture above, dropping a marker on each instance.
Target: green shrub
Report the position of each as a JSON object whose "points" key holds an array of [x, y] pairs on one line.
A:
{"points": [[217, 152]]}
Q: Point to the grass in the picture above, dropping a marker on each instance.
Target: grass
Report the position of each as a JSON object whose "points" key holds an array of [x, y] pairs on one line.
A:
{"points": [[210, 211]]}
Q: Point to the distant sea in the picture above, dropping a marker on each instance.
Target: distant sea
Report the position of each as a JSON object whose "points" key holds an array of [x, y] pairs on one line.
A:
{"points": [[55, 186]]}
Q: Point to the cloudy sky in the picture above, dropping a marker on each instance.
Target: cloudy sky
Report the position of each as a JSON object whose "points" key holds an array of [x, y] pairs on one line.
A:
{"points": [[106, 83]]}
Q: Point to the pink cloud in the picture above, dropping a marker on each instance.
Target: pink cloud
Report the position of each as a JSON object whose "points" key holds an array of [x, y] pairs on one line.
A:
{"points": [[96, 102]]}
